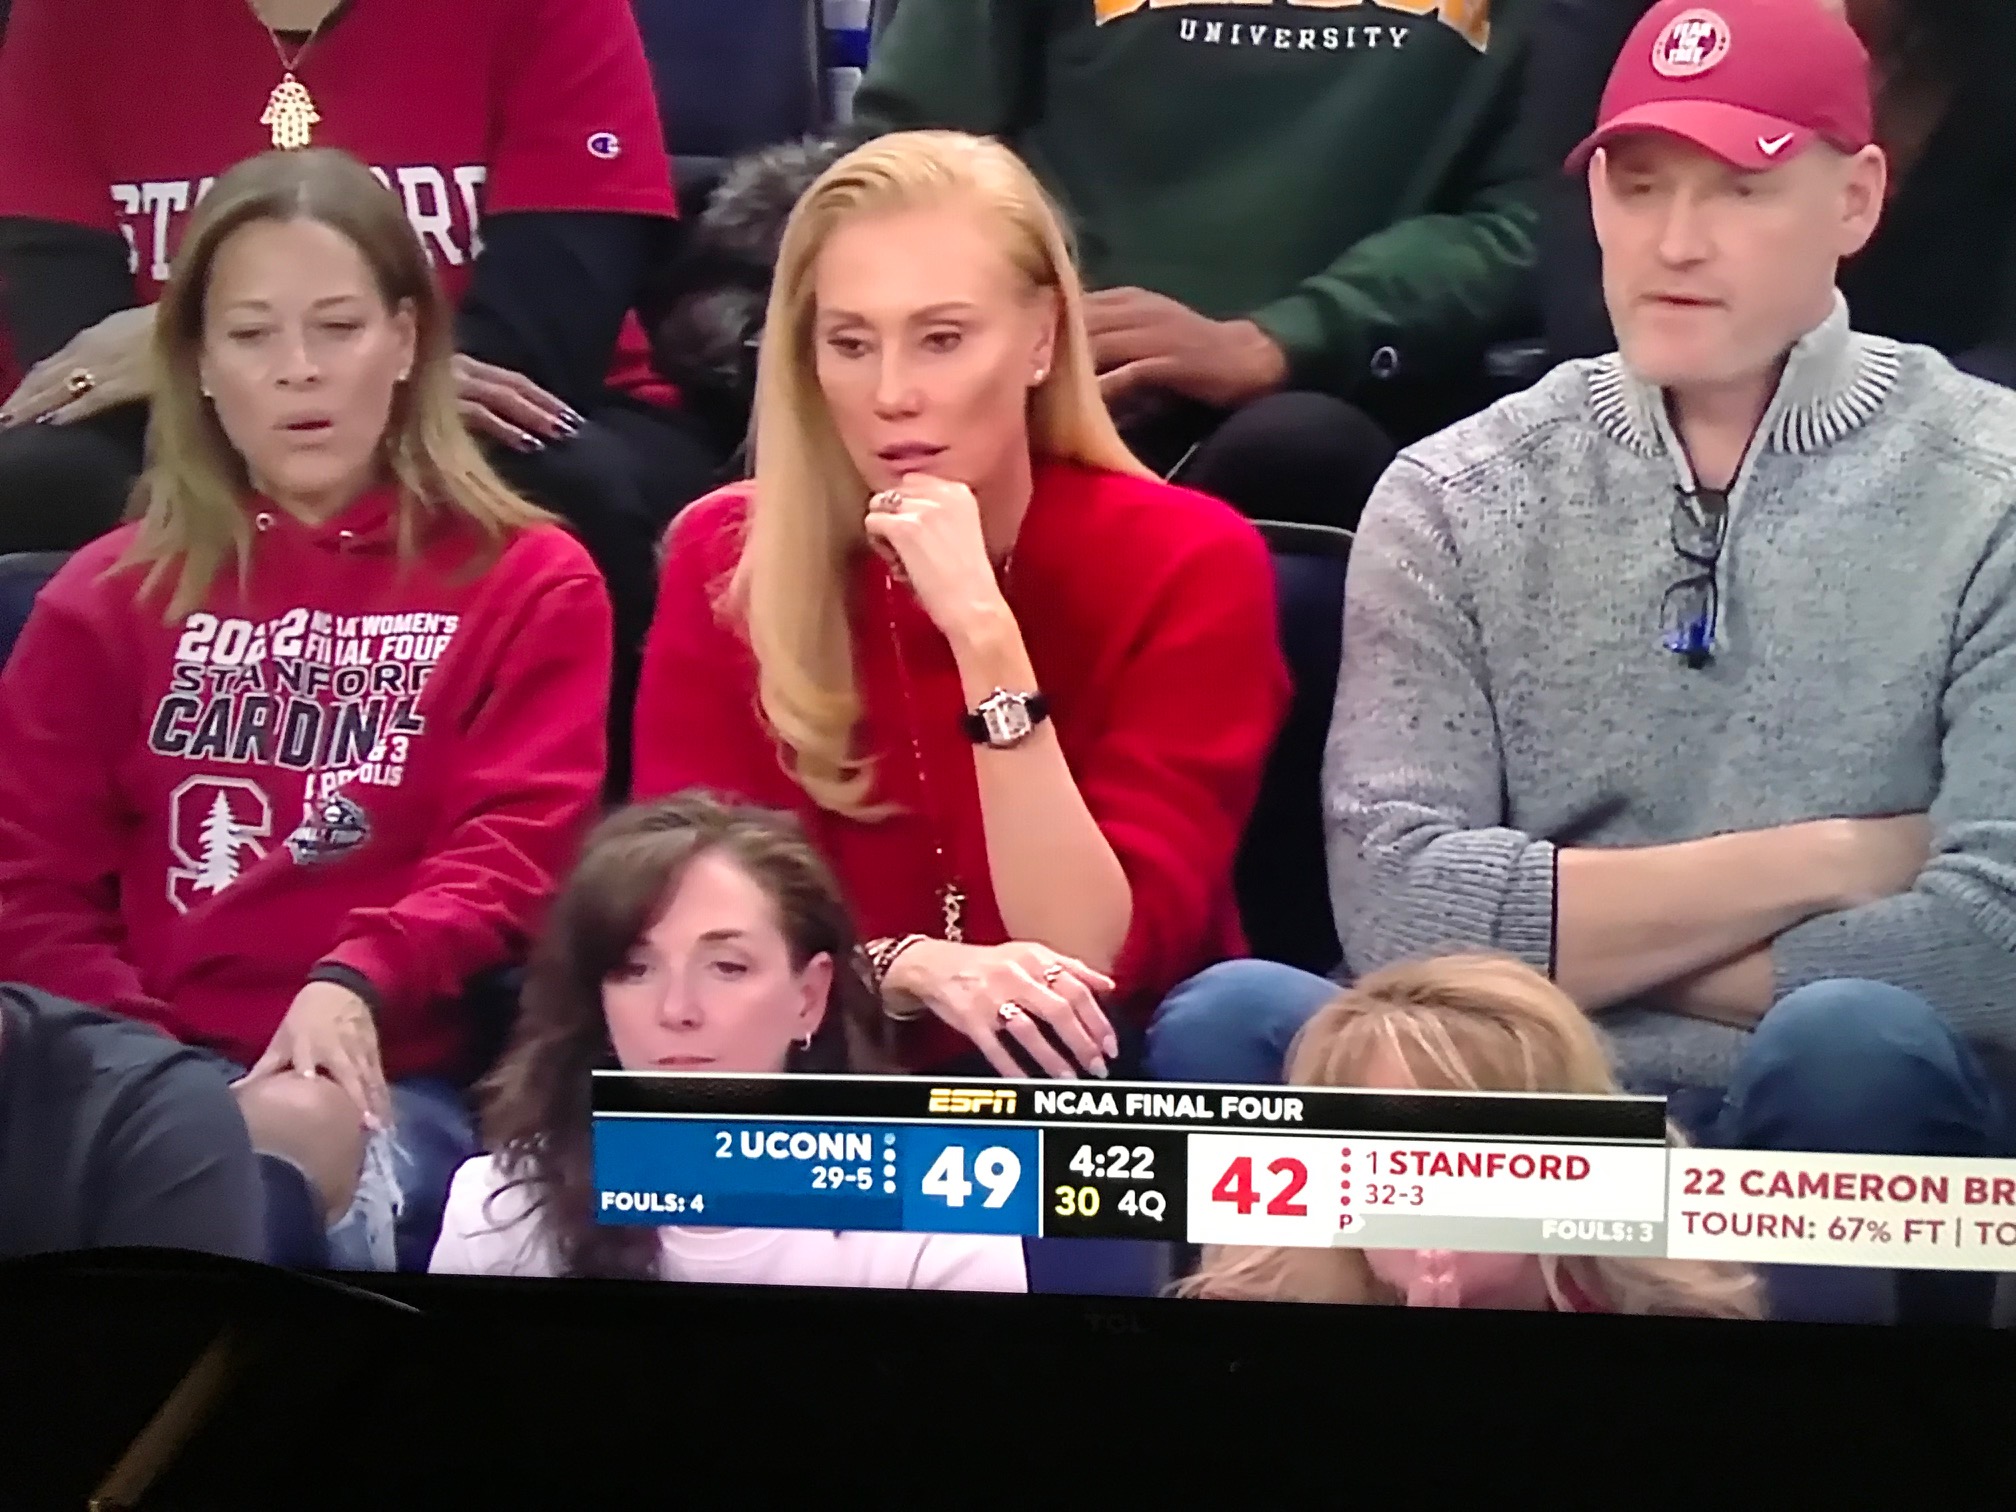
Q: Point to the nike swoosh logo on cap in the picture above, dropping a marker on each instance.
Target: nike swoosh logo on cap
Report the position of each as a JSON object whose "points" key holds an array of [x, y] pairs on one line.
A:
{"points": [[1772, 146]]}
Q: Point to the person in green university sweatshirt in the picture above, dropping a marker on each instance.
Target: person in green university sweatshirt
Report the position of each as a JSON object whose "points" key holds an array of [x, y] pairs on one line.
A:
{"points": [[1297, 214]]}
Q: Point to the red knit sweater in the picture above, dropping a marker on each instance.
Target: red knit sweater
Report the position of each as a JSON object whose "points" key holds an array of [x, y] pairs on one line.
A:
{"points": [[1148, 613]]}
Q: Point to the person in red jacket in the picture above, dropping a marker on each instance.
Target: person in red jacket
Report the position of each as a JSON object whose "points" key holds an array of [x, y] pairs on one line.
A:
{"points": [[1019, 692], [525, 141], [302, 751]]}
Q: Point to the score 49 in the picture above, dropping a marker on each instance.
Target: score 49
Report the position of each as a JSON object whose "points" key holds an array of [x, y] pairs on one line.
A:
{"points": [[996, 1168], [968, 1181]]}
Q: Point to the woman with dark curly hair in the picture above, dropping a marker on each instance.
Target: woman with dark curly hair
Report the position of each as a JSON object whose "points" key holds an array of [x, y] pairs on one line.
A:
{"points": [[694, 935]]}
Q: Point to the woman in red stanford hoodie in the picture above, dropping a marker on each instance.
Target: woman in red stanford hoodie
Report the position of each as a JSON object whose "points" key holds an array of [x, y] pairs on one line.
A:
{"points": [[298, 754]]}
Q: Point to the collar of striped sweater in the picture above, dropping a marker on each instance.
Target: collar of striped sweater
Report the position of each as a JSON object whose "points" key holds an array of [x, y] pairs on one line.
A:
{"points": [[1835, 382]]}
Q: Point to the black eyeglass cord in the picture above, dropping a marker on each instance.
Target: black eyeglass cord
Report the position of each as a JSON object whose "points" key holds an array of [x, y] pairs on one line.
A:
{"points": [[1704, 509]]}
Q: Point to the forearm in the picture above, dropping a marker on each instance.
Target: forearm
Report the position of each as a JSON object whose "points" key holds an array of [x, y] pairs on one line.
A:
{"points": [[1738, 992], [1631, 922], [57, 280], [1055, 877], [548, 296], [1945, 941], [1438, 289]]}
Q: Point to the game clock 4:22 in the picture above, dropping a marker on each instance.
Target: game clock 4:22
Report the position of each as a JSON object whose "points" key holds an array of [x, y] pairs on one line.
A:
{"points": [[1114, 1184]]}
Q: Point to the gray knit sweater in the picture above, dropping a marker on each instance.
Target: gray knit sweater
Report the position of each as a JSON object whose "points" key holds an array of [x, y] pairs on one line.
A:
{"points": [[1505, 689]]}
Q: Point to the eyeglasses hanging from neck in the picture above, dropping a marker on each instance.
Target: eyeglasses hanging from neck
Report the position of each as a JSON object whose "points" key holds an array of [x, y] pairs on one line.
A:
{"points": [[1689, 611]]}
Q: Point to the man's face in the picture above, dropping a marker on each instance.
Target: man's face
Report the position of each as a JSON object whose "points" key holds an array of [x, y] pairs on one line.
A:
{"points": [[1711, 273]]}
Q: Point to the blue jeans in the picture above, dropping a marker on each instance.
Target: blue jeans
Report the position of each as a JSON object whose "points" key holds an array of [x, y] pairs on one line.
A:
{"points": [[395, 1218], [1847, 1067]]}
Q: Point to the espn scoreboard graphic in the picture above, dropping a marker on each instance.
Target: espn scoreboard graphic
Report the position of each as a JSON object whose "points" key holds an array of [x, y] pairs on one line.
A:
{"points": [[1206, 1165], [1305, 1166]]}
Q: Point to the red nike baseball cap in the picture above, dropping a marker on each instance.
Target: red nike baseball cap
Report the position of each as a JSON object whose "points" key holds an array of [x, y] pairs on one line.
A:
{"points": [[1754, 82]]}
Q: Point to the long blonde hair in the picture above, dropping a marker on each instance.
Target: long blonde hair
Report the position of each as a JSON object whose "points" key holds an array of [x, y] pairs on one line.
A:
{"points": [[805, 519], [190, 502], [1473, 1023]]}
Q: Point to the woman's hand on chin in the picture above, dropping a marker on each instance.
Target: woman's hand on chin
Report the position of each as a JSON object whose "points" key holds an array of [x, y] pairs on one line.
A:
{"points": [[928, 531], [971, 986]]}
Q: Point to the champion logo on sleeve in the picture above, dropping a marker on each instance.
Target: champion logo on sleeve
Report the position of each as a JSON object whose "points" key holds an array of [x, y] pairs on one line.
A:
{"points": [[605, 145]]}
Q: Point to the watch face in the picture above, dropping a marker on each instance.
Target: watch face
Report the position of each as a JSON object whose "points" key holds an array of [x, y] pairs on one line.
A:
{"points": [[1007, 720]]}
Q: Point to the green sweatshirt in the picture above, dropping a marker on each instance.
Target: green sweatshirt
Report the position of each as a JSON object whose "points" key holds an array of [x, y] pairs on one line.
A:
{"points": [[1347, 173]]}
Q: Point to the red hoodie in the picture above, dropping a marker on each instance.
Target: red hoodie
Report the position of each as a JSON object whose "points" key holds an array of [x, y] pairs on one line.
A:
{"points": [[347, 762]]}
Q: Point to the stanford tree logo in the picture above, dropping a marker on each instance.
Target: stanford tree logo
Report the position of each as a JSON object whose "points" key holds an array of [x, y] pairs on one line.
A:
{"points": [[215, 829]]}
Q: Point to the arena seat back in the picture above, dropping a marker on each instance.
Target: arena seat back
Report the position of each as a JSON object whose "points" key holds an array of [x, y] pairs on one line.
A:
{"points": [[1281, 873]]}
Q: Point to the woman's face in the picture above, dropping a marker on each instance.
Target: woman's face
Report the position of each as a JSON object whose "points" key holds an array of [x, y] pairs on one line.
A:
{"points": [[711, 987], [1446, 1278], [301, 359], [926, 343]]}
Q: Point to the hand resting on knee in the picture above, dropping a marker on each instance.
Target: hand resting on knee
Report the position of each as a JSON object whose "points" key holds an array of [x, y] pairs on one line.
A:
{"points": [[312, 1122]]}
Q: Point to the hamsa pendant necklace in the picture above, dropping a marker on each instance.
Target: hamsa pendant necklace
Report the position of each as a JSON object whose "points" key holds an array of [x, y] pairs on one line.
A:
{"points": [[290, 114]]}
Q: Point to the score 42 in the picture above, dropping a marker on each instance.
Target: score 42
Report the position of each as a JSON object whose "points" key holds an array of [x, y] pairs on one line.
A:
{"points": [[1265, 1189], [1287, 1176]]}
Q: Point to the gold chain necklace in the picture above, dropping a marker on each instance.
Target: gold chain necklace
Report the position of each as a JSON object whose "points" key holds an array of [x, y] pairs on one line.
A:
{"points": [[951, 899], [290, 114]]}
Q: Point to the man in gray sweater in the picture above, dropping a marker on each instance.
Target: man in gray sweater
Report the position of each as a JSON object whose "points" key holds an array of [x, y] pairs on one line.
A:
{"points": [[1689, 675]]}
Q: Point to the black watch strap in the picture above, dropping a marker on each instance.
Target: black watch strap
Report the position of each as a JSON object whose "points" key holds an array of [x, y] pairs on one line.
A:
{"points": [[1037, 705]]}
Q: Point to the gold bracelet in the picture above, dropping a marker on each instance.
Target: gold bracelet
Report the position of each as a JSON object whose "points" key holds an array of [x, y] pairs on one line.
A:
{"points": [[882, 956]]}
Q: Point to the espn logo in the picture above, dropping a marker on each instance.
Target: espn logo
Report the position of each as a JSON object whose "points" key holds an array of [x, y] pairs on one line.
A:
{"points": [[971, 1100]]}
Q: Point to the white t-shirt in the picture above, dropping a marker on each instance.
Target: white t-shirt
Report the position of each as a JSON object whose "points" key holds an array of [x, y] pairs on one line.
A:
{"points": [[481, 1237]]}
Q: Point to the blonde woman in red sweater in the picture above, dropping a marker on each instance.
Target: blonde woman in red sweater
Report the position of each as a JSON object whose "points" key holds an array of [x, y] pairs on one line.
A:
{"points": [[1019, 692]]}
